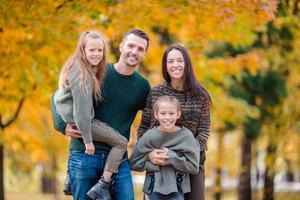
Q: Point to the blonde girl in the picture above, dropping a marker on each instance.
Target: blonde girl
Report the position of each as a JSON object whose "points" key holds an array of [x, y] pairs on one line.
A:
{"points": [[80, 83]]}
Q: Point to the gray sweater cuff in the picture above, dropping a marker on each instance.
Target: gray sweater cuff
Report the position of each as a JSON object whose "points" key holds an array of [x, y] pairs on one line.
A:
{"points": [[149, 166]]}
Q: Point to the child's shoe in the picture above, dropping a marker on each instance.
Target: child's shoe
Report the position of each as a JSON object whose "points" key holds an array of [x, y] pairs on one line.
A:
{"points": [[101, 190], [67, 186]]}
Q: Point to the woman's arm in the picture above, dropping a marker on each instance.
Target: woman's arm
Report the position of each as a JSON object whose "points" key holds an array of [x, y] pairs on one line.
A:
{"points": [[203, 127], [146, 117]]}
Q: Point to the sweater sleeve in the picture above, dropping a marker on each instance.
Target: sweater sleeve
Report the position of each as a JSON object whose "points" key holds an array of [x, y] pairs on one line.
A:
{"points": [[58, 122], [138, 159], [146, 117], [203, 127], [188, 161], [147, 89], [82, 105]]}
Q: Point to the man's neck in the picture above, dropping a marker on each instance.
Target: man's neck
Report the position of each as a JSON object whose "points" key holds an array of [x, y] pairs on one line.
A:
{"points": [[123, 69]]}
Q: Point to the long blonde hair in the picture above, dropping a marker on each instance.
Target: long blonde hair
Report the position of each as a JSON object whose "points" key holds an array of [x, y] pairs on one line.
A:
{"points": [[86, 70]]}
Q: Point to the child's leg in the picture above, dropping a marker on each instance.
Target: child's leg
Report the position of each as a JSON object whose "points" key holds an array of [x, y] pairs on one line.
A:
{"points": [[176, 196], [104, 133]]}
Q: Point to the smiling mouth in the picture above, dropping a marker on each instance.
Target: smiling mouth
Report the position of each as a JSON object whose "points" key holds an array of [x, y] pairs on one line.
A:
{"points": [[177, 70], [132, 58], [167, 122]]}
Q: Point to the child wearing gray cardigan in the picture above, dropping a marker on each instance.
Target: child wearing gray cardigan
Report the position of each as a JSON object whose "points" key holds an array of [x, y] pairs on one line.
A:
{"points": [[79, 83], [179, 146]]}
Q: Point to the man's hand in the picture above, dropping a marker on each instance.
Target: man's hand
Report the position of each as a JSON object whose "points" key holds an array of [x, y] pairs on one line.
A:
{"points": [[159, 156], [72, 131], [89, 148]]}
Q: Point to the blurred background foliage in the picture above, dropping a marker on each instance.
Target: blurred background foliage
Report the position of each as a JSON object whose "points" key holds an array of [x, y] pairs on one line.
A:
{"points": [[245, 52]]}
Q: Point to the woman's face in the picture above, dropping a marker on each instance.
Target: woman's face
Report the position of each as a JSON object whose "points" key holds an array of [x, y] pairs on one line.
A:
{"points": [[175, 64]]}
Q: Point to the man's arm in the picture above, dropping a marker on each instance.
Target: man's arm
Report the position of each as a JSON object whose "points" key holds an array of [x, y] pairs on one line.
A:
{"points": [[60, 125]]}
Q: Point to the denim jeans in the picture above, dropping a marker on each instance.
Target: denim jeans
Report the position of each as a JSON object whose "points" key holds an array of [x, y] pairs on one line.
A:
{"points": [[85, 170], [172, 196]]}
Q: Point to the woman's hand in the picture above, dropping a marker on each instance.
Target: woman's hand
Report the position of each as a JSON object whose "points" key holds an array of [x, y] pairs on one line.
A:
{"points": [[159, 156], [89, 148], [72, 131]]}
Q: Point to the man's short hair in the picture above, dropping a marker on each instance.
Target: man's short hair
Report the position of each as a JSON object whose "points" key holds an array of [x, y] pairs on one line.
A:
{"points": [[138, 33]]}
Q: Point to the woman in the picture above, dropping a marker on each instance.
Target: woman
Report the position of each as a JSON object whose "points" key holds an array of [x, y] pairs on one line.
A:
{"points": [[195, 102]]}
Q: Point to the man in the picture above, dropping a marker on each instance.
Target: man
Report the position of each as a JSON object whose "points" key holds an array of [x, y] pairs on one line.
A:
{"points": [[124, 92]]}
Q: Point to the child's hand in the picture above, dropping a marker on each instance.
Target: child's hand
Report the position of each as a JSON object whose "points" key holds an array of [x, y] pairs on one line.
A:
{"points": [[158, 156], [164, 151], [89, 148]]}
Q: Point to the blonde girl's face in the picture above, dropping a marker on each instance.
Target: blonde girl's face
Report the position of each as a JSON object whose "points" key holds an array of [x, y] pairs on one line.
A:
{"points": [[94, 51], [167, 115]]}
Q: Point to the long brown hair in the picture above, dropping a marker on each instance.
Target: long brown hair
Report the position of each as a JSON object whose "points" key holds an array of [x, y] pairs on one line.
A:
{"points": [[87, 72], [190, 82]]}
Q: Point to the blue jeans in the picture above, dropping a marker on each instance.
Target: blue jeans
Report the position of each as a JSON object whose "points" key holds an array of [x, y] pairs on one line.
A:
{"points": [[85, 170]]}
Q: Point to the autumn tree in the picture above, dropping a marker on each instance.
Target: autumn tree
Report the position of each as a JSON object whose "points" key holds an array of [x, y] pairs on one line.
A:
{"points": [[280, 38], [38, 36]]}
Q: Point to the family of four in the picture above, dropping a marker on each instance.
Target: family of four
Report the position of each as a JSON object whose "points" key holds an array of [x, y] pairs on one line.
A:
{"points": [[96, 104]]}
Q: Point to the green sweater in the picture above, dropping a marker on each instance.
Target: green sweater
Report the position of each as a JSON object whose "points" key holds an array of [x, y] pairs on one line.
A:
{"points": [[124, 96]]}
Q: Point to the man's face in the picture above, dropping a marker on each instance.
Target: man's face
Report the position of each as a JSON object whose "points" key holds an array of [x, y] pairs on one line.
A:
{"points": [[133, 50]]}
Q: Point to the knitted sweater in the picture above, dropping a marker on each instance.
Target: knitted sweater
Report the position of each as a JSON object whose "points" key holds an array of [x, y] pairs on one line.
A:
{"points": [[195, 112], [183, 156], [124, 96], [74, 103]]}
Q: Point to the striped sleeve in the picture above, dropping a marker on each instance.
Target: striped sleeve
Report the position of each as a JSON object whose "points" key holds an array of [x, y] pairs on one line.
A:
{"points": [[146, 117], [203, 128]]}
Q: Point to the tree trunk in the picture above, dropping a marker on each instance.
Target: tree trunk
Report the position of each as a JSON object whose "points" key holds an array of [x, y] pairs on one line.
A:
{"points": [[218, 187], [270, 172], [4, 125], [244, 189], [255, 189], [1, 172], [289, 172]]}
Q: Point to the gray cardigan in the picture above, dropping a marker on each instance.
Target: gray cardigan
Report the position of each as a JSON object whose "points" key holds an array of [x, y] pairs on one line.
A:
{"points": [[184, 156], [75, 103]]}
